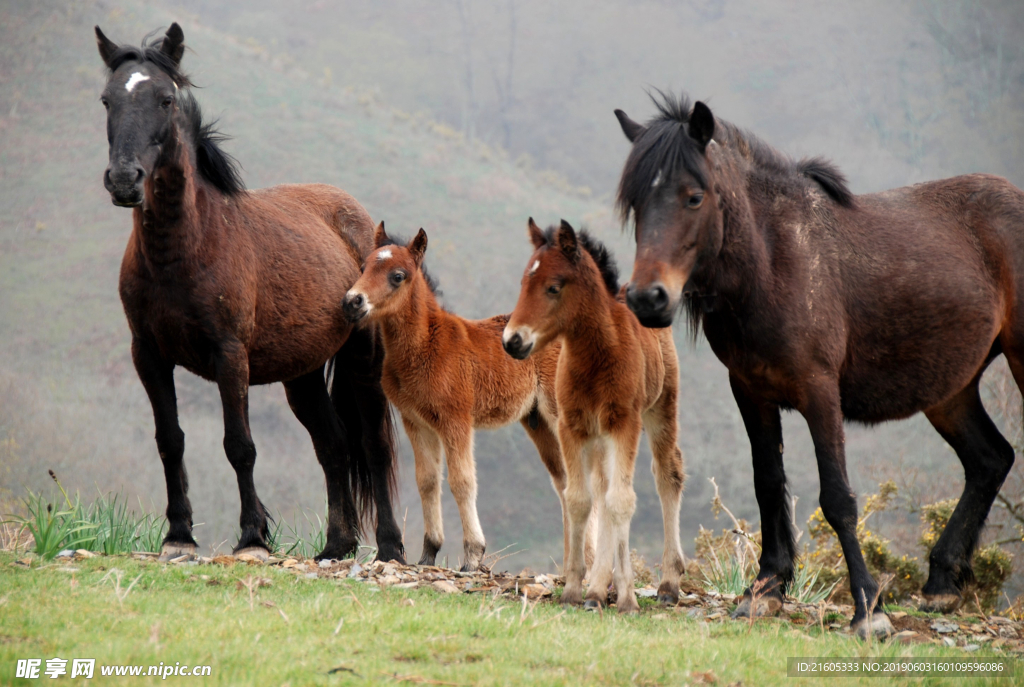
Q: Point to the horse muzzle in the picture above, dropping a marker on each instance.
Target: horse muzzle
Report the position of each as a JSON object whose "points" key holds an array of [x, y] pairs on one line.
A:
{"points": [[355, 307], [516, 346], [652, 305], [125, 185]]}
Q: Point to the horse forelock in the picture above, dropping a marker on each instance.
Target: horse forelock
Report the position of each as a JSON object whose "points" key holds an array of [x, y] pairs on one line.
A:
{"points": [[152, 54], [432, 282]]}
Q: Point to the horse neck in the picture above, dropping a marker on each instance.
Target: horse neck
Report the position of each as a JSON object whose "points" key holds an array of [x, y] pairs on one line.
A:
{"points": [[740, 269], [168, 223], [590, 328], [406, 333]]}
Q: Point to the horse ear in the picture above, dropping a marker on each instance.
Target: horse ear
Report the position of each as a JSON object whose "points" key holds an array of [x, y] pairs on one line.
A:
{"points": [[379, 235], [107, 47], [567, 240], [173, 44], [629, 127], [536, 235], [702, 124], [418, 246]]}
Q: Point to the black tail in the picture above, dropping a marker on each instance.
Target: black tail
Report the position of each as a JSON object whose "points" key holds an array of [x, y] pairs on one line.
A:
{"points": [[354, 374]]}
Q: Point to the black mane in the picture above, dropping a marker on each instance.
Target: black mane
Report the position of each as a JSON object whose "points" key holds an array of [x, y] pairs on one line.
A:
{"points": [[598, 251], [213, 164], [665, 146], [432, 283]]}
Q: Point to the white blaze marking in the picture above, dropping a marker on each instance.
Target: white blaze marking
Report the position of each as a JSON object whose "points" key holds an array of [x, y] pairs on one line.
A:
{"points": [[134, 80], [657, 180], [383, 255], [534, 266]]}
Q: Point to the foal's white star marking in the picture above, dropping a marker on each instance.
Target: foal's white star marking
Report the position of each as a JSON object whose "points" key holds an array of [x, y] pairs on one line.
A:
{"points": [[534, 266], [383, 255], [134, 80]]}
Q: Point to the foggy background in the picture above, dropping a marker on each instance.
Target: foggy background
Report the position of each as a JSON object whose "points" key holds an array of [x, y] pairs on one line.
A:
{"points": [[464, 117]]}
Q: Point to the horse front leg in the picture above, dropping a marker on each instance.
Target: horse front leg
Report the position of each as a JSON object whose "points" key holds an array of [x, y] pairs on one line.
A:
{"points": [[778, 549], [458, 448], [157, 376], [839, 504], [578, 503], [232, 371], [307, 396], [426, 451], [667, 466]]}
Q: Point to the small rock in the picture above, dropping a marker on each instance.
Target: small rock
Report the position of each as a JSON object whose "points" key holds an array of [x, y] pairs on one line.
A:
{"points": [[972, 647], [944, 626], [949, 641], [445, 587], [1000, 620], [897, 615], [326, 563], [647, 593], [689, 600], [66, 553], [389, 569], [354, 572], [311, 576], [84, 553], [388, 580], [905, 637]]}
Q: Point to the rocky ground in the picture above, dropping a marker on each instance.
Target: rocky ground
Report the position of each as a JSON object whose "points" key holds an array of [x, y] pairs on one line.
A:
{"points": [[968, 631]]}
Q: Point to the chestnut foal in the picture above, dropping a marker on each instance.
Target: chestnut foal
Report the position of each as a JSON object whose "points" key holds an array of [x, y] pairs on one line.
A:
{"points": [[614, 378], [447, 375]]}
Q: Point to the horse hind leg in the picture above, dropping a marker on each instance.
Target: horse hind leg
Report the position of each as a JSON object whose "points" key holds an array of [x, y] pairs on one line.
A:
{"points": [[361, 405], [667, 466], [987, 458], [546, 441], [309, 401], [620, 506]]}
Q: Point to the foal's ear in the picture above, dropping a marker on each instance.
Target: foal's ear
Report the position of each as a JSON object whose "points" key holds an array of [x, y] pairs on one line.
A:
{"points": [[106, 46], [418, 246], [702, 124], [536, 235], [567, 240], [173, 44], [379, 236], [629, 127]]}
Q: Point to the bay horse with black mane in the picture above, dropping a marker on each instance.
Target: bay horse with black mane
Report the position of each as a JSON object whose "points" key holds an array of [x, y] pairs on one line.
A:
{"points": [[242, 287], [448, 375], [866, 308], [614, 379]]}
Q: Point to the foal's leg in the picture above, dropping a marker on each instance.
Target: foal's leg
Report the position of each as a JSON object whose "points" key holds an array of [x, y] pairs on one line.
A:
{"points": [[232, 370], [764, 429], [839, 504], [307, 396], [458, 448], [667, 466], [599, 578], [363, 408], [621, 504], [551, 455], [578, 502], [157, 376], [987, 458], [426, 449]]}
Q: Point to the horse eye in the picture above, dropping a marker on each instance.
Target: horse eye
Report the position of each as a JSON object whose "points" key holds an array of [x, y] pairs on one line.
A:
{"points": [[695, 200], [106, 103], [554, 289], [168, 101], [397, 278]]}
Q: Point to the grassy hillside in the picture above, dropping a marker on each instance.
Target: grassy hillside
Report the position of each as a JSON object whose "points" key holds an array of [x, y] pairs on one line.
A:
{"points": [[269, 625], [69, 398]]}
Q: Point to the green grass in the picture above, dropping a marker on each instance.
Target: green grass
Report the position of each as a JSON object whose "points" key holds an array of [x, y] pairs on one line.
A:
{"points": [[296, 630]]}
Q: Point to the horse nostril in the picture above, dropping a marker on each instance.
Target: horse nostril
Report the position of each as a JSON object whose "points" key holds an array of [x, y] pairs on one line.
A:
{"points": [[139, 173], [107, 183], [658, 296], [358, 301], [514, 343]]}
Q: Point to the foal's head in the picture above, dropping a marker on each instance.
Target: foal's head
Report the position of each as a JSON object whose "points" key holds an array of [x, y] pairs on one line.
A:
{"points": [[565, 277], [391, 274], [669, 187], [148, 101]]}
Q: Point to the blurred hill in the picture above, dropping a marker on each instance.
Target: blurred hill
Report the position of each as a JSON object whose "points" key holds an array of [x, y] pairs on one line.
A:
{"points": [[412, 108]]}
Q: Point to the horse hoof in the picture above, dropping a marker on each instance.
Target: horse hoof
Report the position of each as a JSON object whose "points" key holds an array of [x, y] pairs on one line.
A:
{"points": [[593, 605], [763, 607], [256, 552], [627, 607], [391, 554], [939, 603], [667, 596], [169, 552], [877, 625], [470, 567], [572, 597]]}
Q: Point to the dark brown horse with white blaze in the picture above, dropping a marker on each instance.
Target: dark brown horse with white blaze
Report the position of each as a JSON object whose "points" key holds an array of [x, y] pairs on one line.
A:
{"points": [[866, 308], [242, 287]]}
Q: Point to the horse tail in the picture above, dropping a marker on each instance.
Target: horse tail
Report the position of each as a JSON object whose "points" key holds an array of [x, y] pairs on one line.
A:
{"points": [[358, 398]]}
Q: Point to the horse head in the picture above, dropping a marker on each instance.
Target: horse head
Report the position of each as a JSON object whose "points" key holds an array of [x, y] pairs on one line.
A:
{"points": [[142, 101], [668, 185]]}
